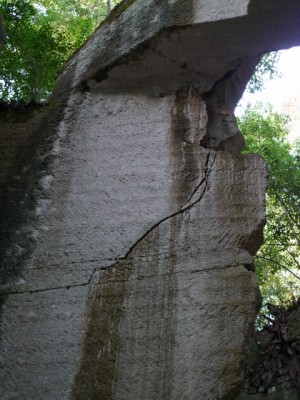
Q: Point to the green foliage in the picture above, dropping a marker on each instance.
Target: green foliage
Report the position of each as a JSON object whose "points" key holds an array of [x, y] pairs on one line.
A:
{"points": [[41, 36], [278, 261], [265, 69], [32, 55]]}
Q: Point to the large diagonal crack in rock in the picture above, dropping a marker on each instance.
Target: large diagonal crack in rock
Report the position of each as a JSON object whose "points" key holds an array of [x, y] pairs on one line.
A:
{"points": [[149, 306], [195, 197], [129, 221]]}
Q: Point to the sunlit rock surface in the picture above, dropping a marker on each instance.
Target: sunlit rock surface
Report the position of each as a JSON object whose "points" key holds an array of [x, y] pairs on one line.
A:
{"points": [[129, 220]]}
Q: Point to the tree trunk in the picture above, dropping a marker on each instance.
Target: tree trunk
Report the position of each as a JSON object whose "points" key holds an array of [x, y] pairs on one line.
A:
{"points": [[2, 31], [108, 6]]}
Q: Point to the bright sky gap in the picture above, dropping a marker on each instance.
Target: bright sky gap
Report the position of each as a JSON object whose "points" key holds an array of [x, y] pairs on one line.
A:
{"points": [[282, 92]]}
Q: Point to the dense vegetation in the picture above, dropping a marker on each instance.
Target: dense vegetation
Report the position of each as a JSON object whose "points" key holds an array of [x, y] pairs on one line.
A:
{"points": [[41, 36], [278, 261]]}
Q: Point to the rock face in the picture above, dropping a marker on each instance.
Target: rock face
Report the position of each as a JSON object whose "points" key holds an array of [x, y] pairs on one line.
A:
{"points": [[175, 312], [129, 219]]}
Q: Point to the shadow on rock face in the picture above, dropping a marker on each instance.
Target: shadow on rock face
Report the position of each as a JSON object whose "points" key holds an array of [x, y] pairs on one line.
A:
{"points": [[25, 144]]}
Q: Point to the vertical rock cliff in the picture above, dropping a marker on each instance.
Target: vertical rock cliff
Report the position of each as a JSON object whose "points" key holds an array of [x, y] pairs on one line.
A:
{"points": [[129, 218]]}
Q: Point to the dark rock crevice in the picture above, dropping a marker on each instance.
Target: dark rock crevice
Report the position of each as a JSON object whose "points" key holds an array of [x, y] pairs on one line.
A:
{"points": [[222, 130], [199, 191]]}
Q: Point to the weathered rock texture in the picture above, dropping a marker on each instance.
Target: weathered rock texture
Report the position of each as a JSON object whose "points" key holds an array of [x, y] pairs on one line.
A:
{"points": [[129, 220]]}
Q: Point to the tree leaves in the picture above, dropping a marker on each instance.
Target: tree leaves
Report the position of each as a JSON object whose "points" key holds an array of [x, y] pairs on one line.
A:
{"points": [[41, 36], [278, 262], [265, 69]]}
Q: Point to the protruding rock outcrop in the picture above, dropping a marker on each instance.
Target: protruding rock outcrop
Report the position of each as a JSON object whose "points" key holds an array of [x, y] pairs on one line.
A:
{"points": [[129, 220]]}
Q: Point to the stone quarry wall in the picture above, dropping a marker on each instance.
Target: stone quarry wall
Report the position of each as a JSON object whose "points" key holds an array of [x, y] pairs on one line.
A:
{"points": [[129, 219]]}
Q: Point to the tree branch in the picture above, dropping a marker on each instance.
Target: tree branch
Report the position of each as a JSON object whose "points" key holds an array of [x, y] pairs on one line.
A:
{"points": [[294, 258], [279, 264], [286, 210]]}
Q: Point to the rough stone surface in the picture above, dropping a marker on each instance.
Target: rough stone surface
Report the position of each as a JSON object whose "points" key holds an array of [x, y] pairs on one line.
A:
{"points": [[277, 394], [39, 341], [128, 220], [180, 305]]}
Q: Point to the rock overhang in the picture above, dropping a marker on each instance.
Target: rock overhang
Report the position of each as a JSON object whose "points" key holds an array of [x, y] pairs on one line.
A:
{"points": [[173, 44]]}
